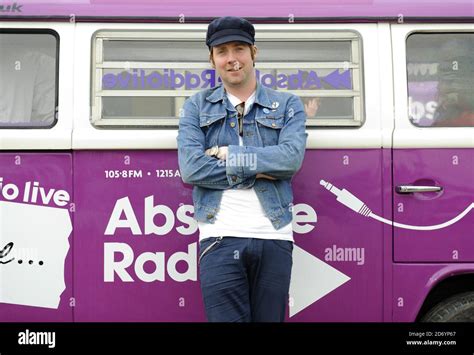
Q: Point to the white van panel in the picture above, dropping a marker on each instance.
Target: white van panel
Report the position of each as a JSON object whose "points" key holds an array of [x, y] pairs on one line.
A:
{"points": [[407, 135], [85, 136], [59, 136]]}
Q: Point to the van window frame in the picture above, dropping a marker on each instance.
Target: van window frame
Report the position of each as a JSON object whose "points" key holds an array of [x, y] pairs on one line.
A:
{"points": [[263, 35], [56, 84], [422, 31]]}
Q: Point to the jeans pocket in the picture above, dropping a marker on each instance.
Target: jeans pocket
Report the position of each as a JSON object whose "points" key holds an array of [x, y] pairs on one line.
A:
{"points": [[208, 245], [285, 245]]}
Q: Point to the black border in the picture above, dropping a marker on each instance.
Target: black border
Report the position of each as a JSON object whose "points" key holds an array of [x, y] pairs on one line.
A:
{"points": [[290, 338]]}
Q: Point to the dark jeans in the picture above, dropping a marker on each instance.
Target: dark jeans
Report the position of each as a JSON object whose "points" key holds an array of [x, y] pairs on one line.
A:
{"points": [[245, 279]]}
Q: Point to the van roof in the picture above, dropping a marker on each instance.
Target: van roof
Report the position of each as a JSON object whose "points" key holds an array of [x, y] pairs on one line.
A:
{"points": [[274, 11]]}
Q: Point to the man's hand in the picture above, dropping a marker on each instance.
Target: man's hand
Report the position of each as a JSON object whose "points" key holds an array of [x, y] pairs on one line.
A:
{"points": [[311, 107], [212, 151], [220, 154]]}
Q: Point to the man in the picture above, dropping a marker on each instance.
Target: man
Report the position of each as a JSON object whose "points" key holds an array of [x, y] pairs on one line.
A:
{"points": [[240, 144]]}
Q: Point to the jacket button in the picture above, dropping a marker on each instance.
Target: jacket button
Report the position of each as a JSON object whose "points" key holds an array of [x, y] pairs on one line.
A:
{"points": [[209, 216], [232, 124], [273, 125], [234, 178]]}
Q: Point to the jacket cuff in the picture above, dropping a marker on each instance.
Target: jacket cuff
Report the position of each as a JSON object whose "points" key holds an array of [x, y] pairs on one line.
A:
{"points": [[235, 173]]}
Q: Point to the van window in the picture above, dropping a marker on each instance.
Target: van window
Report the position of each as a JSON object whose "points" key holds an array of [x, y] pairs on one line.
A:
{"points": [[440, 70], [28, 79], [141, 79]]}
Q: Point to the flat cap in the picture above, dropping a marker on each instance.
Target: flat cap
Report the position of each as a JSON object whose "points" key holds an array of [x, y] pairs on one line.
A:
{"points": [[229, 29]]}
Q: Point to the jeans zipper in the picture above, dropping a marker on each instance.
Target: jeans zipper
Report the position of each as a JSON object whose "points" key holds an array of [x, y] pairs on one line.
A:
{"points": [[217, 241]]}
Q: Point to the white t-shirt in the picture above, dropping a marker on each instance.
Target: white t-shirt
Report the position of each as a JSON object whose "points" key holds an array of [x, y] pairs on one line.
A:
{"points": [[240, 212]]}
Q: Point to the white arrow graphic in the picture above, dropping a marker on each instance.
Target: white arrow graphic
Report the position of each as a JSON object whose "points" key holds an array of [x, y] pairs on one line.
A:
{"points": [[311, 279]]}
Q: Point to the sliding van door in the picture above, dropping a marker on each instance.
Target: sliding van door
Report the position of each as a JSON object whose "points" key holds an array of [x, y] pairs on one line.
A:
{"points": [[433, 157]]}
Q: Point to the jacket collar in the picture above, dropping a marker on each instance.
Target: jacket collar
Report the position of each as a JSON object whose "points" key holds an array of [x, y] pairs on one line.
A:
{"points": [[261, 96]]}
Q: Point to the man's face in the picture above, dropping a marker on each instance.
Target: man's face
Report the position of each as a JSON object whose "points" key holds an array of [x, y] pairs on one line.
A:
{"points": [[234, 63]]}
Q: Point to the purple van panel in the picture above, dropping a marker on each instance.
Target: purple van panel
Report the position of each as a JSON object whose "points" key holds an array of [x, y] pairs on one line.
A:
{"points": [[134, 251], [340, 234], [451, 169], [51, 171], [361, 9], [345, 240], [96, 196]]}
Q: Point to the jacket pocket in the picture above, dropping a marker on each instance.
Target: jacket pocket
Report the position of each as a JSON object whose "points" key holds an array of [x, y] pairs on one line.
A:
{"points": [[211, 125], [274, 122], [269, 128], [205, 120]]}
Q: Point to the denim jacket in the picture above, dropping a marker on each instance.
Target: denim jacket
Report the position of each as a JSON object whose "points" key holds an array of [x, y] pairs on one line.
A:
{"points": [[274, 142]]}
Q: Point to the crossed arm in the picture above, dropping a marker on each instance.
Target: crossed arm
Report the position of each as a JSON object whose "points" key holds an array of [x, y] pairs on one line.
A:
{"points": [[280, 161]]}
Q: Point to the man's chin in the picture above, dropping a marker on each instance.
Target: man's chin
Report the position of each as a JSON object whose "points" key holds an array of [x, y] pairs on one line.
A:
{"points": [[234, 82]]}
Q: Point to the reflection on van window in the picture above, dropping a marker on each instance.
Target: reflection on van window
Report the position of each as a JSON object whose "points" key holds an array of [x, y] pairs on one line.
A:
{"points": [[27, 80], [441, 79], [144, 83]]}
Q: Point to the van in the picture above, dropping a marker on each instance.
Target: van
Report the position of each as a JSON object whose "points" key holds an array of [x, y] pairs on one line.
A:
{"points": [[95, 221]]}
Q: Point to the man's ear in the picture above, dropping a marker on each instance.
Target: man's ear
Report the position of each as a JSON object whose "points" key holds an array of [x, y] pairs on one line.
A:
{"points": [[254, 52], [211, 60]]}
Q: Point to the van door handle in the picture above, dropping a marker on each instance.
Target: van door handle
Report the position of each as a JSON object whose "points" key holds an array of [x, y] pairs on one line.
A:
{"points": [[409, 189]]}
